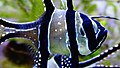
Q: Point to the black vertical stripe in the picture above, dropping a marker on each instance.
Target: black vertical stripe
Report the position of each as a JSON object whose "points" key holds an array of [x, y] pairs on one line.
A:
{"points": [[89, 30], [43, 37], [70, 20], [69, 4]]}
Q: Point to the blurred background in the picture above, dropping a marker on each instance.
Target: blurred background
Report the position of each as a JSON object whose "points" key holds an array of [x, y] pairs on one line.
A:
{"points": [[29, 10]]}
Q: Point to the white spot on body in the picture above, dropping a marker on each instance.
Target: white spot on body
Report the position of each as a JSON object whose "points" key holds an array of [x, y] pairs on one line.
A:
{"points": [[62, 59], [66, 58], [101, 60], [38, 52], [7, 32], [2, 26], [25, 35], [56, 30], [111, 66], [44, 5], [69, 61], [105, 58], [61, 63], [60, 16], [67, 64], [106, 65], [116, 66], [38, 63], [39, 59], [102, 53], [118, 50], [116, 45], [60, 29], [59, 23], [102, 65], [44, 9], [106, 51], [3, 35], [113, 53], [60, 38], [111, 48], [108, 56], [39, 56], [34, 33], [98, 65], [34, 39], [29, 37], [36, 56]]}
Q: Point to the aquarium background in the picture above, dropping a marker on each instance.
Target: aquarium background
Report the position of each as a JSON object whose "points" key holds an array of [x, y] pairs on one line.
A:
{"points": [[30, 10]]}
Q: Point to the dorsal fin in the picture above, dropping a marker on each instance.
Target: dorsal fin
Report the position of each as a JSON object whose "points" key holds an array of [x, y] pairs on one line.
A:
{"points": [[48, 5], [69, 5], [16, 25]]}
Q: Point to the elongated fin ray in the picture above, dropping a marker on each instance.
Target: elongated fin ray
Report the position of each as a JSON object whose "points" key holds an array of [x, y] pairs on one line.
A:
{"points": [[105, 17], [27, 25], [99, 57]]}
